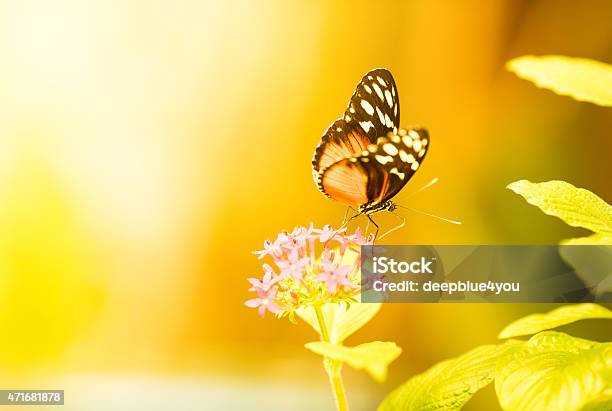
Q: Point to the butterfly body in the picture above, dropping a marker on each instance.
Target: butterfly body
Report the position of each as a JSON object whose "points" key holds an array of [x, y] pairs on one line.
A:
{"points": [[374, 208], [364, 158]]}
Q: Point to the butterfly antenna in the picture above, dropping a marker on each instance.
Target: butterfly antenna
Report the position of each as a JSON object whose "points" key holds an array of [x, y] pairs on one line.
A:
{"points": [[448, 220], [403, 223], [426, 186]]}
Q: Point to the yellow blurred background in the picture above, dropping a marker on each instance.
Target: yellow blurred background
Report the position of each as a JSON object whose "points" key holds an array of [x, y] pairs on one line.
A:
{"points": [[146, 147]]}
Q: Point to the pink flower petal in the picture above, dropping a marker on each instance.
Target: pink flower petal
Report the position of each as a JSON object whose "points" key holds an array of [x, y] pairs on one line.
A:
{"points": [[254, 302]]}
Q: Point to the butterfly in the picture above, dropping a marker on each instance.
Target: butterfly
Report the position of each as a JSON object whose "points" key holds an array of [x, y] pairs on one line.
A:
{"points": [[364, 159]]}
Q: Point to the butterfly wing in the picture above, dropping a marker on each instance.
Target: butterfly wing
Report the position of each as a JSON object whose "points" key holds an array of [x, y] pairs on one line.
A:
{"points": [[378, 173], [374, 106], [339, 141], [373, 111]]}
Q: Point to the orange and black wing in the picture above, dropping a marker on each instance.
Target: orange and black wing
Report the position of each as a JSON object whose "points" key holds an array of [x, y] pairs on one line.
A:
{"points": [[379, 172], [372, 112]]}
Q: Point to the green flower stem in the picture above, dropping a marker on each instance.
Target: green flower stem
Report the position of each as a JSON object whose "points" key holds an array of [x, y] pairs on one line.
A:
{"points": [[333, 368]]}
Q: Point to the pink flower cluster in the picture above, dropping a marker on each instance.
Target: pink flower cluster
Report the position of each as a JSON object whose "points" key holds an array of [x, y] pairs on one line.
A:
{"points": [[313, 266]]}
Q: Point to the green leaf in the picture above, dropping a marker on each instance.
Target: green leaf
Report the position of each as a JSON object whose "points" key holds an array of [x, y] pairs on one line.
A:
{"points": [[592, 264], [374, 357], [555, 371], [340, 321], [603, 403], [449, 384], [566, 314], [576, 206], [582, 79]]}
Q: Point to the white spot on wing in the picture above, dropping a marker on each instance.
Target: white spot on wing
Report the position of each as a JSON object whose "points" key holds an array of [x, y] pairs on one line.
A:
{"points": [[388, 121], [417, 145], [383, 159], [389, 98], [367, 107], [381, 81], [407, 141], [380, 116], [366, 125], [390, 149], [395, 171], [367, 88], [378, 91]]}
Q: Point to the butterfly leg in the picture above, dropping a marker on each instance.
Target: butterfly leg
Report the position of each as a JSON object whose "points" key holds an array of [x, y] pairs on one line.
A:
{"points": [[344, 220], [375, 225], [346, 223]]}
